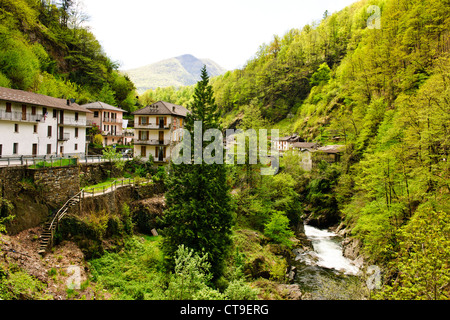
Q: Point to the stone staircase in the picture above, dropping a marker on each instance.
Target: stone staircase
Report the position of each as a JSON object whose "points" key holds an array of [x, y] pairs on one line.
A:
{"points": [[50, 227]]}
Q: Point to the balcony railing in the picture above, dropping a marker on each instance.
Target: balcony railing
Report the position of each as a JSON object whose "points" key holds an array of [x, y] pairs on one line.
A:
{"points": [[152, 142], [19, 116], [111, 120], [64, 137], [155, 126], [66, 121], [112, 134]]}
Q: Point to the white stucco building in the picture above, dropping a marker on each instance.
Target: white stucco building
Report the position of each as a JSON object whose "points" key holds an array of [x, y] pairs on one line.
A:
{"points": [[36, 125]]}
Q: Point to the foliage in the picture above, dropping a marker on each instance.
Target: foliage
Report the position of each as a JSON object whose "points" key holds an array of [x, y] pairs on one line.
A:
{"points": [[16, 284], [278, 229], [45, 48], [420, 268], [191, 274]]}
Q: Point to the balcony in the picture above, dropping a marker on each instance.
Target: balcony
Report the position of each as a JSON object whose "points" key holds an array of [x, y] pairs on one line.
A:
{"points": [[152, 142], [112, 134], [111, 120], [64, 137], [19, 116], [66, 121], [153, 126]]}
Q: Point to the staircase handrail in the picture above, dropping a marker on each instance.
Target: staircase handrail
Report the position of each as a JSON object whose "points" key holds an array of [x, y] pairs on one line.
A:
{"points": [[57, 215]]}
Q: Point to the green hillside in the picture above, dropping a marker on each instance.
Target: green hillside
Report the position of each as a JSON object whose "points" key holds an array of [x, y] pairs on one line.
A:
{"points": [[44, 48], [384, 93], [179, 71]]}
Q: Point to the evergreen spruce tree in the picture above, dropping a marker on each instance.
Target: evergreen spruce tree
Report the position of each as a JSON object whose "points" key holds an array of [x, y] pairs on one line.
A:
{"points": [[198, 199]]}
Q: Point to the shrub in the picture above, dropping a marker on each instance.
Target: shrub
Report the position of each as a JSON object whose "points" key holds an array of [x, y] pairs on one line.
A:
{"points": [[278, 229]]}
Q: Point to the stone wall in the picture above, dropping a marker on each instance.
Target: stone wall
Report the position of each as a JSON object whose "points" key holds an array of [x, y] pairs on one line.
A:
{"points": [[57, 184]]}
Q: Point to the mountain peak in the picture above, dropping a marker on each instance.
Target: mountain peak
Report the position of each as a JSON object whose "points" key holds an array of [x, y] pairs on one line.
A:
{"points": [[179, 71]]}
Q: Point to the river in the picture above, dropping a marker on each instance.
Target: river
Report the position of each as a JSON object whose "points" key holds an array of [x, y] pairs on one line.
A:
{"points": [[324, 273]]}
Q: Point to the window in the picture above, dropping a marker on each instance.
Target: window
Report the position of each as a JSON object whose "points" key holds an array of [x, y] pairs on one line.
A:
{"points": [[35, 128], [55, 113], [76, 132], [44, 111], [76, 146], [49, 149], [33, 110], [15, 148], [76, 116], [16, 127], [49, 131], [8, 107], [95, 114]]}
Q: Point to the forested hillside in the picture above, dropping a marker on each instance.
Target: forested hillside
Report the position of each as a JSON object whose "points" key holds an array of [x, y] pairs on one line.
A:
{"points": [[385, 93], [45, 48]]}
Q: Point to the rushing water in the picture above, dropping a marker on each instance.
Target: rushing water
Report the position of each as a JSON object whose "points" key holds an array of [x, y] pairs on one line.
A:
{"points": [[324, 272]]}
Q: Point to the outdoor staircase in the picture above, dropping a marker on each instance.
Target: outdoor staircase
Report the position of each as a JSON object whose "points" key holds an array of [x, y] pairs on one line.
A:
{"points": [[50, 227]]}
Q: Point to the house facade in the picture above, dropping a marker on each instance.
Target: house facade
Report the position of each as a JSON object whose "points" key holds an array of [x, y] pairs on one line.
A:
{"points": [[37, 125], [284, 144], [109, 120], [155, 130]]}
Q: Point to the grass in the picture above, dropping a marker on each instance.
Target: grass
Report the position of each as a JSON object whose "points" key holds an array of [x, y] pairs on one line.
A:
{"points": [[107, 184], [57, 163], [133, 273]]}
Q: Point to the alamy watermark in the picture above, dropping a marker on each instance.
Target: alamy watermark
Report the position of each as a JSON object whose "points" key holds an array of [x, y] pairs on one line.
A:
{"points": [[373, 282], [235, 144], [374, 21], [74, 281]]}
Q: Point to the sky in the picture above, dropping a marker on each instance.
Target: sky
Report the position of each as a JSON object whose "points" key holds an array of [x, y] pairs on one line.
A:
{"points": [[136, 33]]}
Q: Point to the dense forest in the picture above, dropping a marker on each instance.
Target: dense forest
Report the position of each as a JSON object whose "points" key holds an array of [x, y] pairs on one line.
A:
{"points": [[46, 48], [383, 92]]}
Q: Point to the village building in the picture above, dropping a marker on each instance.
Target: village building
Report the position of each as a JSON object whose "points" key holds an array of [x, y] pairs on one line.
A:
{"points": [[306, 150], [32, 124], [284, 144], [330, 154], [155, 130], [109, 120]]}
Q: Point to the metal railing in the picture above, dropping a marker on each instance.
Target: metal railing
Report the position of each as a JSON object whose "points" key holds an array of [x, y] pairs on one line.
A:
{"points": [[69, 121], [114, 185], [64, 137], [153, 142], [52, 161], [19, 116], [152, 126]]}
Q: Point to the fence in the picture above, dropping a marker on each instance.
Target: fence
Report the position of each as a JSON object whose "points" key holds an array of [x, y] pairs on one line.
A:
{"points": [[95, 191], [52, 161]]}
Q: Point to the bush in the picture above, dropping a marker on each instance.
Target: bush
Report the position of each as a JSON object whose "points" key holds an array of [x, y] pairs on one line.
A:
{"points": [[278, 229], [239, 290]]}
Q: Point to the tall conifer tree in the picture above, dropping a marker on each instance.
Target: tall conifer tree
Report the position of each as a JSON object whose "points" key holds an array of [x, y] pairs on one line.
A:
{"points": [[198, 199]]}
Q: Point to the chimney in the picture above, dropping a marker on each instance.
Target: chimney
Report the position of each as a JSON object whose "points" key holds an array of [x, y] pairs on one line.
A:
{"points": [[68, 102]]}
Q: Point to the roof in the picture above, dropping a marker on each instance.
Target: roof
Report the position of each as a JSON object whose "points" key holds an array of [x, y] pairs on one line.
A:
{"points": [[305, 145], [332, 149], [98, 105], [13, 95], [292, 138], [163, 108]]}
